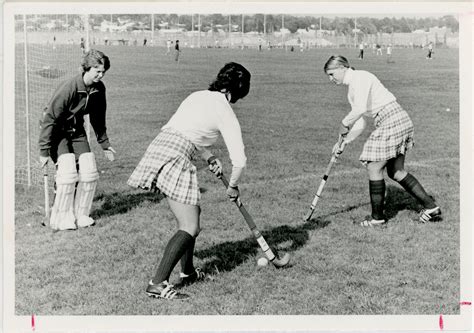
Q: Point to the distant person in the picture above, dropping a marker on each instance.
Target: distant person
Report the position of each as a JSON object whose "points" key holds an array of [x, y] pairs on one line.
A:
{"points": [[83, 46], [379, 49], [144, 41], [361, 51], [54, 42], [387, 145], [177, 51], [389, 53], [168, 46], [430, 51], [167, 166], [106, 40], [63, 139], [260, 44]]}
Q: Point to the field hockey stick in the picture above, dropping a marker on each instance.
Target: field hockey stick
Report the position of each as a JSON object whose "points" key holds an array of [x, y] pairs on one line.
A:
{"points": [[46, 195], [274, 259], [323, 182]]}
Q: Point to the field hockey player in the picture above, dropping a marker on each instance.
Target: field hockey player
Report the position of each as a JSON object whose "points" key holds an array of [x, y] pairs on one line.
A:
{"points": [[388, 143], [167, 167], [63, 138]]}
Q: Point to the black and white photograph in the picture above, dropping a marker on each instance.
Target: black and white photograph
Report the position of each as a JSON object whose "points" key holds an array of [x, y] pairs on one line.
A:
{"points": [[237, 166]]}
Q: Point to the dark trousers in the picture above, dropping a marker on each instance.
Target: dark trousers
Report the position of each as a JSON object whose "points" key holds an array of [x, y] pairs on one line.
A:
{"points": [[70, 144]]}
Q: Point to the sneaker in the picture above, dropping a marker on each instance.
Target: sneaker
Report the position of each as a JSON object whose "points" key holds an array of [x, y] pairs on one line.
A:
{"points": [[370, 222], [164, 290], [196, 276], [432, 214]]}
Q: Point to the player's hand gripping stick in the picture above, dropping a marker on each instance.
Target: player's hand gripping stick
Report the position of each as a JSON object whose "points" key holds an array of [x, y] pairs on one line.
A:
{"points": [[277, 262], [325, 177]]}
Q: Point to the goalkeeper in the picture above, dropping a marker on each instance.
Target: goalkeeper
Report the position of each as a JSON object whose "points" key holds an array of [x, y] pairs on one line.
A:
{"points": [[63, 138]]}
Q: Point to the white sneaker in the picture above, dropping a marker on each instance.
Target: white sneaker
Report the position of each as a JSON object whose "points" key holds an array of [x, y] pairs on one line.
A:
{"points": [[427, 215]]}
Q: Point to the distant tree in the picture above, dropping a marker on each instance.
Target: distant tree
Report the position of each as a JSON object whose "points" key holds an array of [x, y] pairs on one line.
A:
{"points": [[258, 23], [342, 25], [292, 23], [271, 23], [366, 26], [450, 21]]}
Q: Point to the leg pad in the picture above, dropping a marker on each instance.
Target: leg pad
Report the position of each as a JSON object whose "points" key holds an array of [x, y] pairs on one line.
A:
{"points": [[62, 212], [88, 177]]}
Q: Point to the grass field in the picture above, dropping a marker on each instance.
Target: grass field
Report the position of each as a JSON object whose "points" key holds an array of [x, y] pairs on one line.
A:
{"points": [[289, 122]]}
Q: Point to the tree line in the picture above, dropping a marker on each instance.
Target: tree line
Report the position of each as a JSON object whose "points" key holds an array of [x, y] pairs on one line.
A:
{"points": [[270, 23]]}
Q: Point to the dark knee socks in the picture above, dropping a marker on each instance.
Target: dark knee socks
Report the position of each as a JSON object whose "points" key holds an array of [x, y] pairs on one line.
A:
{"points": [[187, 265], [377, 197], [175, 249], [413, 186]]}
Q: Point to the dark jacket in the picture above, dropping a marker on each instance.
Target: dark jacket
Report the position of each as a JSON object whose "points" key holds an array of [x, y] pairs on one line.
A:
{"points": [[63, 117]]}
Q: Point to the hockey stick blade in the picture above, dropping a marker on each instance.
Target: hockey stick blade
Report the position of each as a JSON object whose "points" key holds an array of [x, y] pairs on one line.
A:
{"points": [[272, 257], [309, 214]]}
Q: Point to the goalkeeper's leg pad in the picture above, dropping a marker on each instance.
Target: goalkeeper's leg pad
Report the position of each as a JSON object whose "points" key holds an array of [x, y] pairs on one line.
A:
{"points": [[62, 212], [88, 177]]}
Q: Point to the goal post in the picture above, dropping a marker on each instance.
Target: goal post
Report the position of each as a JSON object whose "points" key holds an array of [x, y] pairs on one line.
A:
{"points": [[47, 52]]}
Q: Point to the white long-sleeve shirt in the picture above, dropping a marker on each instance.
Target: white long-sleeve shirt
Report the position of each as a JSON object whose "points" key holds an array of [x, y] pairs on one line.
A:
{"points": [[366, 95], [201, 117]]}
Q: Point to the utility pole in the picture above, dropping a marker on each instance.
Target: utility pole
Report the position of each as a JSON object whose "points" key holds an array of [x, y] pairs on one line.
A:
{"points": [[242, 35], [264, 25], [192, 30], [199, 30], [230, 30], [152, 29], [282, 27]]}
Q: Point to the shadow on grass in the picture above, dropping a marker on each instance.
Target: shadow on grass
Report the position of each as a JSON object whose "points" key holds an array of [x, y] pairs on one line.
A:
{"points": [[228, 255], [120, 203], [396, 200]]}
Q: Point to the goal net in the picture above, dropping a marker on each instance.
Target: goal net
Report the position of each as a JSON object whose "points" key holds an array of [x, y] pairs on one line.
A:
{"points": [[47, 52]]}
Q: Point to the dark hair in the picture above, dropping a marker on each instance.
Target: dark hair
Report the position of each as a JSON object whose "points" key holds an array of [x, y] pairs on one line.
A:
{"points": [[336, 61], [93, 58], [233, 78]]}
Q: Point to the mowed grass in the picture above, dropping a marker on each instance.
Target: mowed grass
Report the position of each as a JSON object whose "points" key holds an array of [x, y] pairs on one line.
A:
{"points": [[289, 122]]}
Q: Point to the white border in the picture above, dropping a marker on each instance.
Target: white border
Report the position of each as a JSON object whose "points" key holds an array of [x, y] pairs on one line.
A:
{"points": [[244, 323]]}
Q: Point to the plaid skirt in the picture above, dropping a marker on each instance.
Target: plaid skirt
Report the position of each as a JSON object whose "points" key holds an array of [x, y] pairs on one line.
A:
{"points": [[393, 135], [166, 167]]}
